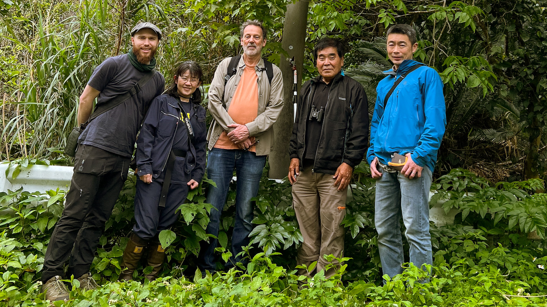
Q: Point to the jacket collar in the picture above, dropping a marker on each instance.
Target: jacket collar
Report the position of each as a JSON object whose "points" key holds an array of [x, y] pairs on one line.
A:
{"points": [[241, 64], [404, 67], [319, 78]]}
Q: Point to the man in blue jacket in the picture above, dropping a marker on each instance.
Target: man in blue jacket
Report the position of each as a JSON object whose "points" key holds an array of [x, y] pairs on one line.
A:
{"points": [[411, 123]]}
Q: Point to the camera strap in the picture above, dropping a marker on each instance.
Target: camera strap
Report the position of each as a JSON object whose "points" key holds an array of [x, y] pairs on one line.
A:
{"points": [[413, 68]]}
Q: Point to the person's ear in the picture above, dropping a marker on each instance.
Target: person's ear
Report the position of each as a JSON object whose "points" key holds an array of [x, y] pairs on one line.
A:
{"points": [[414, 47]]}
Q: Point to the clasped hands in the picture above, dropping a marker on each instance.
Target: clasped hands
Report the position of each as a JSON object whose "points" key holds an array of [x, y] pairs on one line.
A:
{"points": [[410, 170], [240, 136]]}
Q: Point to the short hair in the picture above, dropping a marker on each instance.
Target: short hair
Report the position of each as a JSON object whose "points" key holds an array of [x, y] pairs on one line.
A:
{"points": [[195, 72], [252, 23], [326, 43], [403, 29]]}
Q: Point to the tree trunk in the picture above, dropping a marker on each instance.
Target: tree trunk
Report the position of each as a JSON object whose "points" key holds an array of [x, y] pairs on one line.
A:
{"points": [[294, 37], [531, 163]]}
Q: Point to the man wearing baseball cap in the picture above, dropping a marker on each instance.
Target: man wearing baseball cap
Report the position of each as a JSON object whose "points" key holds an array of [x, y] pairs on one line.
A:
{"points": [[124, 86]]}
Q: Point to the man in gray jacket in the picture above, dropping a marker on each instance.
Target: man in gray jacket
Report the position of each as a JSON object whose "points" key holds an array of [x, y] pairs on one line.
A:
{"points": [[245, 99]]}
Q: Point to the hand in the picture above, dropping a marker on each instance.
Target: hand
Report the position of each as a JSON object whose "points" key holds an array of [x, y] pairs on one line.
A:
{"points": [[192, 184], [239, 134], [343, 176], [146, 178], [411, 169], [294, 170], [246, 144], [375, 174]]}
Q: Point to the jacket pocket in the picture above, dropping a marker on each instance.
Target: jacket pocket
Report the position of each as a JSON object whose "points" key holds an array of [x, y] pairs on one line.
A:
{"points": [[167, 124]]}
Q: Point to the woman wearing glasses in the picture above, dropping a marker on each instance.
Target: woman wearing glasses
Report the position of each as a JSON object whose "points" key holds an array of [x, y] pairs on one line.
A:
{"points": [[170, 161]]}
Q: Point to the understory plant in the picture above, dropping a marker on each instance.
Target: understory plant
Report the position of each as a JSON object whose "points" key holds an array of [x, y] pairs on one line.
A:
{"points": [[480, 259]]}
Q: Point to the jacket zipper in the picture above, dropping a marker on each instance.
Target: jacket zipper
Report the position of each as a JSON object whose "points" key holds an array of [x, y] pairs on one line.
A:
{"points": [[172, 139], [322, 127], [312, 89], [388, 121]]}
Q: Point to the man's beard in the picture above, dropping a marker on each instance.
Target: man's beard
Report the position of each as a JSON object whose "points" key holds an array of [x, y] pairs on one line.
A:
{"points": [[141, 58], [255, 51]]}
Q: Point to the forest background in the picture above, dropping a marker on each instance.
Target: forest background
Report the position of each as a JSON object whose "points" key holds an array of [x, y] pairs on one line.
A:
{"points": [[491, 56]]}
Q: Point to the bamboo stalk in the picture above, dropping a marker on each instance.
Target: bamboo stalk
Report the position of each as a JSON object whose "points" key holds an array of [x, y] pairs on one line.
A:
{"points": [[24, 119], [18, 129], [4, 125]]}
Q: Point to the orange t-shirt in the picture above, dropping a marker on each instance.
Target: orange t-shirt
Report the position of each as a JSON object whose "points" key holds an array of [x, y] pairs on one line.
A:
{"points": [[244, 106]]}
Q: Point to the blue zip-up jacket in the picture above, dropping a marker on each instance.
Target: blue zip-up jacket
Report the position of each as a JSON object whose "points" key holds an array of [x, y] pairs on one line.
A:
{"points": [[415, 117], [157, 135]]}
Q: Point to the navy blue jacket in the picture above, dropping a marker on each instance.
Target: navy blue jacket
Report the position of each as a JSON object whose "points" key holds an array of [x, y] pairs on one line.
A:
{"points": [[414, 119], [158, 133]]}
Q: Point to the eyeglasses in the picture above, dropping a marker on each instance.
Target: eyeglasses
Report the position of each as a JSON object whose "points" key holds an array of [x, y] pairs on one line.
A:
{"points": [[191, 80]]}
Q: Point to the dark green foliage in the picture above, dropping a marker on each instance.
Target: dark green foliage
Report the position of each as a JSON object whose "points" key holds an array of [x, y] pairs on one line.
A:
{"points": [[484, 257]]}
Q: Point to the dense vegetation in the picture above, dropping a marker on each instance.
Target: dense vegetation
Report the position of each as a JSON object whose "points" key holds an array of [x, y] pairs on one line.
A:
{"points": [[485, 258], [491, 56]]}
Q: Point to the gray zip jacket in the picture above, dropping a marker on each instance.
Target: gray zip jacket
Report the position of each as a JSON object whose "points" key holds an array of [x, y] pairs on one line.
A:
{"points": [[270, 103]]}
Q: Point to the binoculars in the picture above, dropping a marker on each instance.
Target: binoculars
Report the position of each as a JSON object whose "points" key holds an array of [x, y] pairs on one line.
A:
{"points": [[317, 114]]}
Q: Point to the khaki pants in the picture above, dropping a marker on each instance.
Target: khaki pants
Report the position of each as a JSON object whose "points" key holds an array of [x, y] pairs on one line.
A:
{"points": [[320, 209]]}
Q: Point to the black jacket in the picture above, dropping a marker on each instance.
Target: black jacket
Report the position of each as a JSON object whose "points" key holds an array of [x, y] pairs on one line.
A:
{"points": [[157, 135], [345, 125]]}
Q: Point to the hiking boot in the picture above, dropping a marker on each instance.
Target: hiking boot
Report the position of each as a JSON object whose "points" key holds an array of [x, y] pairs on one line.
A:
{"points": [[131, 256], [55, 289], [87, 282], [156, 255]]}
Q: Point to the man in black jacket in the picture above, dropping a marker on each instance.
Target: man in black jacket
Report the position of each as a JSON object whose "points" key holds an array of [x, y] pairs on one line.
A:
{"points": [[329, 139]]}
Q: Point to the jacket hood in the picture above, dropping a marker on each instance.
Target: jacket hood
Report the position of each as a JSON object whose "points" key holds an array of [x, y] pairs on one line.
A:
{"points": [[404, 67]]}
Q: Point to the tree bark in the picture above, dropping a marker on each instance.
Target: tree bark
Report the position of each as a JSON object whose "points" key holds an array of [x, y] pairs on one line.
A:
{"points": [[531, 163], [293, 42]]}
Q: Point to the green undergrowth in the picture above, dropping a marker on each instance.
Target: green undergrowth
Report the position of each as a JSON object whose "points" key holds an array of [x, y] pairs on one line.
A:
{"points": [[487, 257]]}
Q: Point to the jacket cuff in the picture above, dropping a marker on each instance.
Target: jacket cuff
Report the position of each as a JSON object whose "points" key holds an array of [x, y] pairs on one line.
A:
{"points": [[294, 156], [420, 161], [370, 158], [197, 176], [144, 169], [252, 127], [348, 162]]}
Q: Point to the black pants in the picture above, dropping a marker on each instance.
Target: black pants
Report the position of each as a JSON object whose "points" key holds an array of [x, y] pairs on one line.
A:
{"points": [[96, 183], [151, 219]]}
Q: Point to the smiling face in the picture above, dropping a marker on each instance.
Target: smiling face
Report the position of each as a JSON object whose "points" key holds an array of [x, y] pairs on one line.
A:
{"points": [[399, 48], [252, 41], [329, 63], [145, 42], [187, 84]]}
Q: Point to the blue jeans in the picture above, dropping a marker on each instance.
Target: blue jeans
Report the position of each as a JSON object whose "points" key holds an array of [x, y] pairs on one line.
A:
{"points": [[396, 197], [220, 169]]}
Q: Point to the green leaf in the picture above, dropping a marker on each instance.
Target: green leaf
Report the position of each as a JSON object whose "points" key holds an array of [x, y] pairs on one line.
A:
{"points": [[473, 81], [197, 276], [188, 212], [42, 223], [166, 238], [223, 239]]}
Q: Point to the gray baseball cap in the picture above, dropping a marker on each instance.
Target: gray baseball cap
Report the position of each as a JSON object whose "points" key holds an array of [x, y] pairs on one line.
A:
{"points": [[146, 25]]}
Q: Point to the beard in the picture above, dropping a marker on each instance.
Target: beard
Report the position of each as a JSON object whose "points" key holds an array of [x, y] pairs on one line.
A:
{"points": [[252, 52], [143, 59]]}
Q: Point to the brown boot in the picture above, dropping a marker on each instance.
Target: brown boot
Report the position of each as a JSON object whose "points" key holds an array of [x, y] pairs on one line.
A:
{"points": [[156, 255], [131, 256], [55, 289], [87, 282]]}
